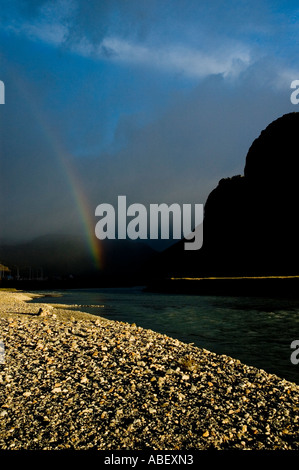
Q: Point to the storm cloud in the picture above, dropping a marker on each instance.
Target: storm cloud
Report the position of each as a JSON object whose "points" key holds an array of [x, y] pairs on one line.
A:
{"points": [[155, 102]]}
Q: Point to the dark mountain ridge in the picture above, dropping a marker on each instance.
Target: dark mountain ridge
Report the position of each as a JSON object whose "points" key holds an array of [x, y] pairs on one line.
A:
{"points": [[69, 257]]}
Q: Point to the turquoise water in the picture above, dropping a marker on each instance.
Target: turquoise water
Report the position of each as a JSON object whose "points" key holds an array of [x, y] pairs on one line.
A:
{"points": [[258, 331]]}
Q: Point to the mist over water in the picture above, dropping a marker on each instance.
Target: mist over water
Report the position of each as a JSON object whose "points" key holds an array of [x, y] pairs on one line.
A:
{"points": [[257, 331]]}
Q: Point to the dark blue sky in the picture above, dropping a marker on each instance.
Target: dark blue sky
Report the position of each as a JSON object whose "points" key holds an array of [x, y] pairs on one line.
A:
{"points": [[155, 100]]}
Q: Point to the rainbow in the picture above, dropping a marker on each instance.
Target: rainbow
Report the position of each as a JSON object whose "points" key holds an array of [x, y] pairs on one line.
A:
{"points": [[83, 207], [76, 188]]}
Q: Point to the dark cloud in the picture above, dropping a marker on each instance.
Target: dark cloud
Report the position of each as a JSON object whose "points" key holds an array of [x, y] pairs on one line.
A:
{"points": [[93, 20], [31, 8], [179, 155], [200, 138], [170, 141], [204, 23]]}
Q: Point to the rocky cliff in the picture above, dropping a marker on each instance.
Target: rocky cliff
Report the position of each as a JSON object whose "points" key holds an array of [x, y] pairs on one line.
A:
{"points": [[250, 220]]}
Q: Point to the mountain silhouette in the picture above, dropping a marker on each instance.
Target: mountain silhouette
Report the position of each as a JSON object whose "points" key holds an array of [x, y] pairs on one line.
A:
{"points": [[250, 221], [68, 256]]}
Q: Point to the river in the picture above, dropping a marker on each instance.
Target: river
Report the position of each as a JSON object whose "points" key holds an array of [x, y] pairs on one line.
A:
{"points": [[258, 331]]}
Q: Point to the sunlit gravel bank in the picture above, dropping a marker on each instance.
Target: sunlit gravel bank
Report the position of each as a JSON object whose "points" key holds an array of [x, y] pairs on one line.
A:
{"points": [[71, 380]]}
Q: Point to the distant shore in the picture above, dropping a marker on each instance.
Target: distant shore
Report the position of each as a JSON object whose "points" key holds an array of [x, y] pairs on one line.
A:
{"points": [[258, 286], [274, 286], [71, 380]]}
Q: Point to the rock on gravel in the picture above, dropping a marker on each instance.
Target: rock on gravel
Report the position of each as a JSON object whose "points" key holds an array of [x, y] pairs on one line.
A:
{"points": [[74, 381]]}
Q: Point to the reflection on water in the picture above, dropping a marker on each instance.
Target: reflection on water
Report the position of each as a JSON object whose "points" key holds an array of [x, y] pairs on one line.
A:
{"points": [[258, 331]]}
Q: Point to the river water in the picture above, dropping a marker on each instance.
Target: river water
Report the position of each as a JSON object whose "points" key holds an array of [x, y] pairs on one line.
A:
{"points": [[258, 331]]}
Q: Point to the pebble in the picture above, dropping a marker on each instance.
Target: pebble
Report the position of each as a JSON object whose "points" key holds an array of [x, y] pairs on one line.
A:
{"points": [[74, 381]]}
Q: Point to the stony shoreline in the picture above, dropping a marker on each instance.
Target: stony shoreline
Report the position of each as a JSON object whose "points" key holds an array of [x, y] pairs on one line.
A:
{"points": [[70, 380]]}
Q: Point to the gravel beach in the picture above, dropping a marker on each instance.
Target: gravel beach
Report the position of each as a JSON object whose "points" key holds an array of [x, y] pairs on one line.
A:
{"points": [[71, 380]]}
